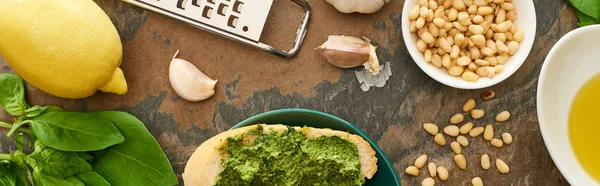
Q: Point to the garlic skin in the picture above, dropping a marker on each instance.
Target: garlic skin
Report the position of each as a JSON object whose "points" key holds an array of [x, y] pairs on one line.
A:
{"points": [[348, 52], [360, 6], [189, 82]]}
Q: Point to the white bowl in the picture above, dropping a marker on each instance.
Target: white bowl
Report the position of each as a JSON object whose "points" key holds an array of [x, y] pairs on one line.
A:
{"points": [[526, 20], [570, 64]]}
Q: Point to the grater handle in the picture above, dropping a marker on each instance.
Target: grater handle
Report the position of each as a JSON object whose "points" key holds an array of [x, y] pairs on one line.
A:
{"points": [[300, 33]]}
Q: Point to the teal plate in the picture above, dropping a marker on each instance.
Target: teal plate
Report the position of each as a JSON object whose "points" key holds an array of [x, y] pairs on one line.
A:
{"points": [[386, 175]]}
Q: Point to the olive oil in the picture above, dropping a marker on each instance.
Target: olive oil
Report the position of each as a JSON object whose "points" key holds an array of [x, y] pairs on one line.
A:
{"points": [[584, 124]]}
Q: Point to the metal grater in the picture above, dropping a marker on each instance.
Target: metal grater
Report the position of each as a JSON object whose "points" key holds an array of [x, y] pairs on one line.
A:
{"points": [[240, 20]]}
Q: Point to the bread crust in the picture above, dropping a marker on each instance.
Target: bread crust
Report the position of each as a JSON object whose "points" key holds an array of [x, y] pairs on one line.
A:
{"points": [[204, 165]]}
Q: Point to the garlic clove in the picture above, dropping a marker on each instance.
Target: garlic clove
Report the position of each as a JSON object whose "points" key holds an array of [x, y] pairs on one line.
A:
{"points": [[360, 6], [189, 82], [372, 65], [346, 51]]}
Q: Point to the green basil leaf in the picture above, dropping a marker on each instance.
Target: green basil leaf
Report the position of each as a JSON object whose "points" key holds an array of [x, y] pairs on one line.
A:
{"points": [[137, 161], [58, 163], [588, 7], [35, 111], [86, 156], [42, 179], [92, 179], [8, 174], [19, 141], [12, 94], [585, 20], [75, 131]]}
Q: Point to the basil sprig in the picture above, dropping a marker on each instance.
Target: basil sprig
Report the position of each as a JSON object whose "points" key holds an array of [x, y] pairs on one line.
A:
{"points": [[77, 148], [588, 11]]}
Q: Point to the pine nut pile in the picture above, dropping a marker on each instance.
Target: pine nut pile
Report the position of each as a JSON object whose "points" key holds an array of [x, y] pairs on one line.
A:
{"points": [[468, 38], [462, 141]]}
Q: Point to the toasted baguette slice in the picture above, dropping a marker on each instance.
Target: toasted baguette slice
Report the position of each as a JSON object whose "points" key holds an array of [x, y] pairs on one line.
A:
{"points": [[204, 165]]}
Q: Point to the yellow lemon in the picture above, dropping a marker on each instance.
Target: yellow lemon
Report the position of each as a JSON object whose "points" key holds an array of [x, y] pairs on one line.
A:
{"points": [[68, 48]]}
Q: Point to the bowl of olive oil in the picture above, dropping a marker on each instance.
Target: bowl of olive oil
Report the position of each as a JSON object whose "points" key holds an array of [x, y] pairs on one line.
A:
{"points": [[568, 105]]}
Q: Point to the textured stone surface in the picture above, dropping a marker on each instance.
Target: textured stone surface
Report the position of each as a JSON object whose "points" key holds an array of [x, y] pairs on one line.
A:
{"points": [[252, 82]]}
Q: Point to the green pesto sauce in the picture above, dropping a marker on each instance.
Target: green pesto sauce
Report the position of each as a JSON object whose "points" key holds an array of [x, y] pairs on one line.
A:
{"points": [[289, 158]]}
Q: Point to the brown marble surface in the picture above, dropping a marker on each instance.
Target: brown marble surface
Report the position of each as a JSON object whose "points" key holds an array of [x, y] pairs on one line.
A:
{"points": [[252, 82]]}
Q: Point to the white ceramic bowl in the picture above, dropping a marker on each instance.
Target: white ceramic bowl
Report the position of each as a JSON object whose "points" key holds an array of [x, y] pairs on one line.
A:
{"points": [[526, 20], [570, 64]]}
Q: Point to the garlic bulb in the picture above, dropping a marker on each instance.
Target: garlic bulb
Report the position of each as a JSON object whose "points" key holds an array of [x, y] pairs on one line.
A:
{"points": [[189, 82], [349, 52], [360, 6]]}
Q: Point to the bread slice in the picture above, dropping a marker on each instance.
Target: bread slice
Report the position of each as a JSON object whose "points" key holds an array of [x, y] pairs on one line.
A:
{"points": [[204, 165]]}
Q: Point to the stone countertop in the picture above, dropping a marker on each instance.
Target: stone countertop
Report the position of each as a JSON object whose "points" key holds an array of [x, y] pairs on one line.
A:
{"points": [[252, 82]]}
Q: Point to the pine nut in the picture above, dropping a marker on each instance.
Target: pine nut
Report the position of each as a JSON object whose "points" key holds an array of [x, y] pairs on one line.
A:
{"points": [[476, 131], [472, 66], [412, 26], [460, 161], [446, 60], [457, 118], [456, 70], [420, 161], [500, 37], [478, 40], [462, 140], [427, 37], [476, 29], [485, 10], [488, 52], [472, 9], [433, 5], [481, 2], [455, 146], [503, 116], [434, 30], [429, 16], [502, 166], [464, 129], [412, 170], [423, 11], [481, 62], [436, 60], [439, 13], [459, 26], [424, 3], [513, 47], [459, 39], [452, 14], [488, 18], [511, 15], [477, 113], [444, 45], [427, 56], [488, 94], [455, 51], [475, 54], [447, 4], [519, 35], [439, 22], [507, 6], [478, 19], [413, 13], [501, 47], [432, 169], [463, 61], [469, 105], [458, 4], [485, 162], [504, 26], [507, 138], [496, 142], [488, 134], [477, 181], [442, 173], [430, 128], [470, 76], [439, 139], [502, 59], [420, 22], [428, 182], [451, 130], [500, 16]]}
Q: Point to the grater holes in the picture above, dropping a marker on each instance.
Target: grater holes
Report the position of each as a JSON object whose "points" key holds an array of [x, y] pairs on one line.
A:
{"points": [[181, 4], [237, 6], [222, 9], [207, 12], [232, 21], [245, 29]]}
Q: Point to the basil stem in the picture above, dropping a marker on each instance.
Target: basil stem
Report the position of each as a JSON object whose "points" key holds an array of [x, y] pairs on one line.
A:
{"points": [[5, 157], [16, 126], [9, 126]]}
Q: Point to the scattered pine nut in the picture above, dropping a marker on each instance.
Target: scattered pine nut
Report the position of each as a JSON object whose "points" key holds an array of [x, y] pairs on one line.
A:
{"points": [[477, 113], [428, 182], [457, 118], [455, 146], [476, 131], [460, 161], [488, 94], [485, 161], [451, 130], [439, 139], [431, 128], [412, 170], [496, 142], [464, 129], [442, 173], [432, 169], [469, 105], [507, 138], [503, 116], [420, 161], [462, 140], [502, 166], [488, 134], [477, 181]]}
